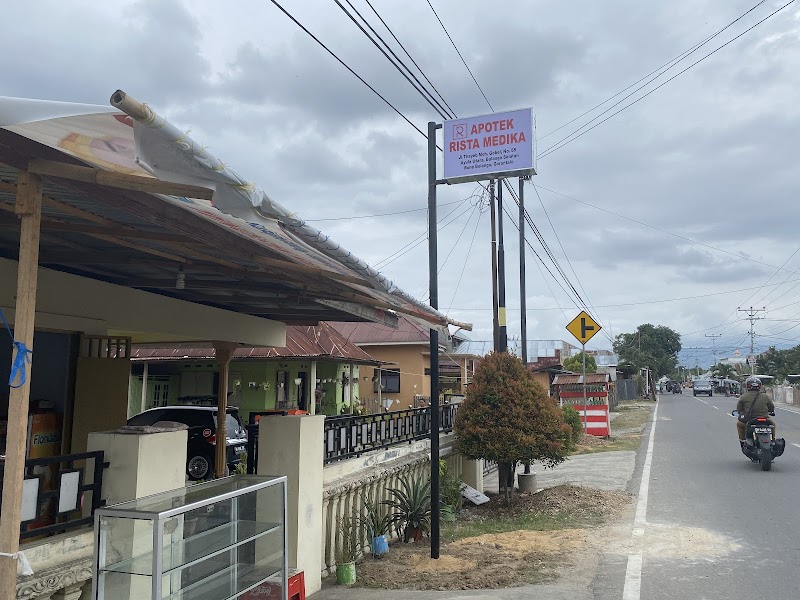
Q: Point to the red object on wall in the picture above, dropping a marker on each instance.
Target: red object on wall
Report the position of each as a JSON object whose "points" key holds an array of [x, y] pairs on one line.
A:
{"points": [[296, 588]]}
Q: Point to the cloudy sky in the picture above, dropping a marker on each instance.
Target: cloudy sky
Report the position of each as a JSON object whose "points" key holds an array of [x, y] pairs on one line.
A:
{"points": [[676, 211]]}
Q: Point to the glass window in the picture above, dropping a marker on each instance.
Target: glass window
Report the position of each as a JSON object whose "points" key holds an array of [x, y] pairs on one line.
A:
{"points": [[390, 381]]}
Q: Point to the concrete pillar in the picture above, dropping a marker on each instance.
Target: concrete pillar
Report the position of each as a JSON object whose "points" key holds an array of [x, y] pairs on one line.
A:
{"points": [[472, 473], [141, 464], [311, 401], [293, 446]]}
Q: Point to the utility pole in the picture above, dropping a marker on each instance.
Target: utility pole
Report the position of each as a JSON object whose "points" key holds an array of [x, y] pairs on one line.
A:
{"points": [[522, 301], [714, 337], [495, 304], [752, 316], [501, 274]]}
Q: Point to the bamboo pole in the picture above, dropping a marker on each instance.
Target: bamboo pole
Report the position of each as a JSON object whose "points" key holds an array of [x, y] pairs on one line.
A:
{"points": [[29, 209]]}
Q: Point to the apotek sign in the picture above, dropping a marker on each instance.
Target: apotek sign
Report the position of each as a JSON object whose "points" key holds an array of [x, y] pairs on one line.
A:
{"points": [[490, 146]]}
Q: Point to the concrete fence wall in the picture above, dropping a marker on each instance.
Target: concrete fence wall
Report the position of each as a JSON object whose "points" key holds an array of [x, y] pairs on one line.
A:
{"points": [[784, 394], [373, 478]]}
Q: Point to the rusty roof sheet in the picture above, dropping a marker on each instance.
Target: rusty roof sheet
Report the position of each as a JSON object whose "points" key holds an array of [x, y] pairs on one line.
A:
{"points": [[407, 332], [590, 378], [320, 341]]}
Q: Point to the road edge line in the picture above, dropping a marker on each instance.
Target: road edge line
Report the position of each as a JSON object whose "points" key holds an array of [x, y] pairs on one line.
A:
{"points": [[632, 589]]}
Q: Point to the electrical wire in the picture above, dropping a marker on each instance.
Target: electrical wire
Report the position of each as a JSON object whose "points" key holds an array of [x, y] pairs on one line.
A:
{"points": [[416, 84], [411, 58], [569, 139], [466, 260], [460, 55], [389, 214], [346, 66], [662, 72]]}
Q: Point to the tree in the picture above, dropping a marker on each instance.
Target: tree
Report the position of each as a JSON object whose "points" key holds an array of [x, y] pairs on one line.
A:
{"points": [[575, 363], [724, 371], [651, 346], [508, 418]]}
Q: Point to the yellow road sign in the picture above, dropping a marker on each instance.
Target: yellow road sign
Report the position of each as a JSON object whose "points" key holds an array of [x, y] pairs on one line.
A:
{"points": [[583, 327]]}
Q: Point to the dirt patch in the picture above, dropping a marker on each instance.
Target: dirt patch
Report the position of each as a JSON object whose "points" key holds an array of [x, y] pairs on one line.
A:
{"points": [[574, 500], [527, 542], [670, 542]]}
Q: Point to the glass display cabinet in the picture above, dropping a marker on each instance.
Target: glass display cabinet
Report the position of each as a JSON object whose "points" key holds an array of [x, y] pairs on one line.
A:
{"points": [[211, 541]]}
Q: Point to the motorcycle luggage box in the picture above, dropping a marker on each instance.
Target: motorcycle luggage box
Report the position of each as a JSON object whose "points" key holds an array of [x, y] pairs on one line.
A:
{"points": [[778, 447]]}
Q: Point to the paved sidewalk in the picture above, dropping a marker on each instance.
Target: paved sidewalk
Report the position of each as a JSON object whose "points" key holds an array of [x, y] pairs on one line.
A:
{"points": [[605, 470]]}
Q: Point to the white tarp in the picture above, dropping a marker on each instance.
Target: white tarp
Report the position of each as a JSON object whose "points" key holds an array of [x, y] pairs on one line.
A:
{"points": [[109, 139]]}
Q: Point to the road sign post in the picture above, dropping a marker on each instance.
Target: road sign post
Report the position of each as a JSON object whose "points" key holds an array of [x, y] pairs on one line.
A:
{"points": [[584, 328]]}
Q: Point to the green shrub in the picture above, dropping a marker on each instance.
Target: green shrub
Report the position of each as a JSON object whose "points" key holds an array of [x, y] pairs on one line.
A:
{"points": [[572, 418], [449, 487], [410, 507]]}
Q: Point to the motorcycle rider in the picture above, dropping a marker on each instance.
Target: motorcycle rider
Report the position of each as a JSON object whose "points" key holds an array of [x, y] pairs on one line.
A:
{"points": [[754, 403]]}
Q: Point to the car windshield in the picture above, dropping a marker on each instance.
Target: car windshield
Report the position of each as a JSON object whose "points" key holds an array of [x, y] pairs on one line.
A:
{"points": [[232, 425]]}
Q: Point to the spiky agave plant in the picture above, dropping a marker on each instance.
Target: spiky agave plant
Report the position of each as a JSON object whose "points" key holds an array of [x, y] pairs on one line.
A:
{"points": [[410, 507]]}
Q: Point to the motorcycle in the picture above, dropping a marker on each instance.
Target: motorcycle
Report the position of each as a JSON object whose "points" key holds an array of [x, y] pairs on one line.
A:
{"points": [[758, 445]]}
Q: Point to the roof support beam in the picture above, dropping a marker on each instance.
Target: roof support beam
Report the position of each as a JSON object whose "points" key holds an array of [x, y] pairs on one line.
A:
{"points": [[139, 183]]}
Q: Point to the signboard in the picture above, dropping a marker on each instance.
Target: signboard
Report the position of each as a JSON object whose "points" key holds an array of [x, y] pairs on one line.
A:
{"points": [[490, 146], [583, 327], [473, 495]]}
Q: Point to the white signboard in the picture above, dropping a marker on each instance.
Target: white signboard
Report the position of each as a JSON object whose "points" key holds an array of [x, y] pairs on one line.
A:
{"points": [[490, 146], [473, 495]]}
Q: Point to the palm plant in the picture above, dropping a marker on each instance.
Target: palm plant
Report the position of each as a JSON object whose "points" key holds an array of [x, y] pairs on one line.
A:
{"points": [[348, 540], [375, 521], [410, 507]]}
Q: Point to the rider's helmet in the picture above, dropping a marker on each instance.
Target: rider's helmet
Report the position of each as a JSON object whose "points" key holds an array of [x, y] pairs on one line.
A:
{"points": [[753, 384]]}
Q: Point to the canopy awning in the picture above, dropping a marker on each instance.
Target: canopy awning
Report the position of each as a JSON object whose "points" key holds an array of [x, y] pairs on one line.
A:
{"points": [[240, 251]]}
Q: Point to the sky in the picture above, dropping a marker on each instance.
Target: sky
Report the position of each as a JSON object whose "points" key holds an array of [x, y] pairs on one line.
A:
{"points": [[676, 211]]}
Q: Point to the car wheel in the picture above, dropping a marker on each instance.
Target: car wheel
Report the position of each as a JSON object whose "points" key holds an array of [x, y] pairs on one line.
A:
{"points": [[198, 467], [694, 394]]}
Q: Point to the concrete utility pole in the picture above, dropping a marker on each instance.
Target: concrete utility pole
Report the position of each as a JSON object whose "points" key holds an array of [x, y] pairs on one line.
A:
{"points": [[714, 337], [752, 317]]}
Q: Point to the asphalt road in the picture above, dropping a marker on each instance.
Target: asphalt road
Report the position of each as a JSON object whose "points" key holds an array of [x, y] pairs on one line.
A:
{"points": [[717, 526]]}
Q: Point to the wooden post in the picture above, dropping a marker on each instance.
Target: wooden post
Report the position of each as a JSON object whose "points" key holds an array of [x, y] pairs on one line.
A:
{"points": [[29, 209], [352, 388], [223, 352]]}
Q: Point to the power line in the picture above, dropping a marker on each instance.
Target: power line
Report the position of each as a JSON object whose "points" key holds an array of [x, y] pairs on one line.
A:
{"points": [[346, 66], [466, 260], [410, 57], [389, 214], [460, 56], [418, 86], [565, 141], [665, 67], [660, 70], [569, 262]]}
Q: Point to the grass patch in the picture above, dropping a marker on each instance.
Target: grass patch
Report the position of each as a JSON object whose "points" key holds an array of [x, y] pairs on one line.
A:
{"points": [[469, 527]]}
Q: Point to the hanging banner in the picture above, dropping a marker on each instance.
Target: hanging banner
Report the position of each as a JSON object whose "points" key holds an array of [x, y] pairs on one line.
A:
{"points": [[490, 146]]}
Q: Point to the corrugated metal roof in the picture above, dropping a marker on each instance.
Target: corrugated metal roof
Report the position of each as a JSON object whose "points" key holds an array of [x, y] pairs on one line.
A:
{"points": [[321, 341], [407, 332], [590, 378]]}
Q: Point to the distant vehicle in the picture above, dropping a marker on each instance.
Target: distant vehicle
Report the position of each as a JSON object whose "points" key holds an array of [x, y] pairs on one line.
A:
{"points": [[674, 387], [702, 386], [202, 439]]}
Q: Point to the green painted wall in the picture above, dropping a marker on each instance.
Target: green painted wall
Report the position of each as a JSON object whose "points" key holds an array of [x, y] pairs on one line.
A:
{"points": [[254, 384]]}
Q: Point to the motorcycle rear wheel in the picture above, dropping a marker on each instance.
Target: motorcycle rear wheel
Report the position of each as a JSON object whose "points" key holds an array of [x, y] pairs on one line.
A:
{"points": [[766, 458]]}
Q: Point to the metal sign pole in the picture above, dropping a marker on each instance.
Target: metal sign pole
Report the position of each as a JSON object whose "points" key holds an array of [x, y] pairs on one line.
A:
{"points": [[583, 353], [434, 334]]}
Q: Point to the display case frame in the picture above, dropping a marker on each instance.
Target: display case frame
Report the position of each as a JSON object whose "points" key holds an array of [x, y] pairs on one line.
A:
{"points": [[128, 559]]}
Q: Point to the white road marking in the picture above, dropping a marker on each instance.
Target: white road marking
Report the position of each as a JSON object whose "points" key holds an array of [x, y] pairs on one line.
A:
{"points": [[703, 401], [730, 415], [633, 572], [717, 407], [633, 578], [796, 445]]}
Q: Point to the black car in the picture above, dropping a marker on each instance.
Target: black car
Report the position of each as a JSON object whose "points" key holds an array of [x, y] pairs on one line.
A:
{"points": [[202, 422]]}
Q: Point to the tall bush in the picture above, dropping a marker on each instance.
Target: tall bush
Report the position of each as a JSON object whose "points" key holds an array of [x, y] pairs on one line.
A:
{"points": [[508, 418]]}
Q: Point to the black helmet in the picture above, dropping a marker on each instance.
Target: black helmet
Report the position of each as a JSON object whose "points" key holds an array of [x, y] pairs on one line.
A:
{"points": [[753, 383]]}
